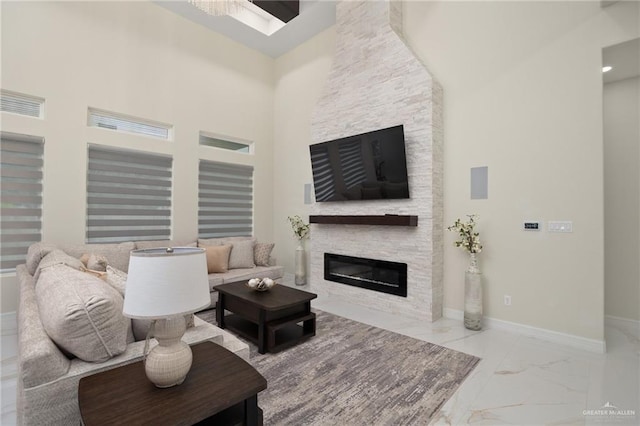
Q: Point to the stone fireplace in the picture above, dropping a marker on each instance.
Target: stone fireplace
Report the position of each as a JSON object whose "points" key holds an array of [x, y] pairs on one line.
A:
{"points": [[376, 82]]}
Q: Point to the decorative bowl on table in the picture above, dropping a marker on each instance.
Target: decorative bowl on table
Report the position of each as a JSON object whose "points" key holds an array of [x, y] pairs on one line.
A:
{"points": [[260, 284]]}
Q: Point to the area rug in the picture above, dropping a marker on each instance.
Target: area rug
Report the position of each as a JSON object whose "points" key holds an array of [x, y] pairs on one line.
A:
{"points": [[355, 374]]}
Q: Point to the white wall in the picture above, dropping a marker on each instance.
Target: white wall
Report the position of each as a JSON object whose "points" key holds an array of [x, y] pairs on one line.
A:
{"points": [[142, 60], [523, 96], [299, 78], [622, 198]]}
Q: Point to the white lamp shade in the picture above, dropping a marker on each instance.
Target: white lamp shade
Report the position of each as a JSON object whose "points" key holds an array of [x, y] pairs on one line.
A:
{"points": [[166, 282]]}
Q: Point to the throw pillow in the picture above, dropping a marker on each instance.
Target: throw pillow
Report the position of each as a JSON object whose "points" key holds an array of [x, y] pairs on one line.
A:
{"points": [[262, 253], [81, 313], [97, 262], [116, 279], [85, 258], [36, 253], [117, 254], [242, 254], [218, 258], [57, 257]]}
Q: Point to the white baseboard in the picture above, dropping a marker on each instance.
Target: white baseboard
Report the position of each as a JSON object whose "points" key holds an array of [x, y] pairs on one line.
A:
{"points": [[578, 342], [610, 319], [453, 314], [8, 323]]}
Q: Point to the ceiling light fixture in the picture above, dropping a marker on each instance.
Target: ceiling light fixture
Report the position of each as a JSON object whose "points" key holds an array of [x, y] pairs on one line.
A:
{"points": [[607, 68], [219, 7]]}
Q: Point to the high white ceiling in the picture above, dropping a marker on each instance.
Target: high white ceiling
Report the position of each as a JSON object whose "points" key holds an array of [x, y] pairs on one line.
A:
{"points": [[257, 32], [315, 16], [624, 58]]}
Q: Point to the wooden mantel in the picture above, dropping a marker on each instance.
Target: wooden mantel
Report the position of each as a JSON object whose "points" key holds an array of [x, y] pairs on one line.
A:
{"points": [[385, 220]]}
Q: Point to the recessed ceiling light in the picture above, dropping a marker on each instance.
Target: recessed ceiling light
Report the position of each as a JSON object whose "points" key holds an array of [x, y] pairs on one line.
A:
{"points": [[607, 68]]}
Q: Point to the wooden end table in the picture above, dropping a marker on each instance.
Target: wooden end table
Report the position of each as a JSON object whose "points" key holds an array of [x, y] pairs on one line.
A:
{"points": [[221, 388], [271, 318]]}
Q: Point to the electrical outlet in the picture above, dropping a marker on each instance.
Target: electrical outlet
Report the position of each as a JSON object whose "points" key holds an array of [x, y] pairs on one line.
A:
{"points": [[507, 300]]}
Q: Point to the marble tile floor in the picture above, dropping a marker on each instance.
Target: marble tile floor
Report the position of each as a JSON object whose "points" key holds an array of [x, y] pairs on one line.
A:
{"points": [[519, 381], [522, 380]]}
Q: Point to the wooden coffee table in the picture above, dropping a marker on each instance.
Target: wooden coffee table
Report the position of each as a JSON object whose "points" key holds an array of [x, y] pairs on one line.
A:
{"points": [[221, 388], [274, 319]]}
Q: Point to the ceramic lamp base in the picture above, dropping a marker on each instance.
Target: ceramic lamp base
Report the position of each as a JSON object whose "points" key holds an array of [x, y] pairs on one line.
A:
{"points": [[168, 363]]}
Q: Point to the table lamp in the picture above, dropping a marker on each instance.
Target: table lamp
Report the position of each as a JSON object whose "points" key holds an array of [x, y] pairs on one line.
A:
{"points": [[165, 284]]}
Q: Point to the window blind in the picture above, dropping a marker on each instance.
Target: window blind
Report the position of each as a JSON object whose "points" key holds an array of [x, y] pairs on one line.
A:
{"points": [[21, 104], [225, 205], [122, 123], [322, 173], [21, 197], [128, 195]]}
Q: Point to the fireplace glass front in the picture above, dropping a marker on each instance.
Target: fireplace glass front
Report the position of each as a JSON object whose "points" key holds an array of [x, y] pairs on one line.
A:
{"points": [[377, 275]]}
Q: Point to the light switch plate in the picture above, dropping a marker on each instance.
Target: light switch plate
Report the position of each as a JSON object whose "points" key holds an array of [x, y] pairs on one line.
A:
{"points": [[560, 226]]}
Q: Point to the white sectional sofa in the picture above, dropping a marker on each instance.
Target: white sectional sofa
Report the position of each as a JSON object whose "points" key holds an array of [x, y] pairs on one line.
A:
{"points": [[48, 374]]}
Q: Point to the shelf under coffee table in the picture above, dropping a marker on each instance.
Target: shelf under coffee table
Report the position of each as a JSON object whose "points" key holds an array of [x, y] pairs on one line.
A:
{"points": [[273, 319]]}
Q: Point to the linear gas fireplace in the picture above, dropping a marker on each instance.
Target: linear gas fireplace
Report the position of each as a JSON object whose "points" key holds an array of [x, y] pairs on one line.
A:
{"points": [[372, 274]]}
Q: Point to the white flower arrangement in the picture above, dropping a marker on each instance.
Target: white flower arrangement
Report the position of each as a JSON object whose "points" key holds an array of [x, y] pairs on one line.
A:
{"points": [[300, 229], [469, 239]]}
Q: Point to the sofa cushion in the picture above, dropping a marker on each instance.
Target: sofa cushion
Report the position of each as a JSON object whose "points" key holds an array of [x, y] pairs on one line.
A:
{"points": [[262, 253], [116, 279], [35, 253], [216, 279], [218, 258], [117, 254], [143, 245], [81, 313], [272, 272], [40, 360], [202, 242], [242, 254], [57, 257]]}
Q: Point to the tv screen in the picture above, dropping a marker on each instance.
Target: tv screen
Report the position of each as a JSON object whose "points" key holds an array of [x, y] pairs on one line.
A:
{"points": [[369, 166]]}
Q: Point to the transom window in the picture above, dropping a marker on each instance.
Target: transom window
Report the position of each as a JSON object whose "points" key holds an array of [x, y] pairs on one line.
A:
{"points": [[220, 143], [128, 124], [17, 103]]}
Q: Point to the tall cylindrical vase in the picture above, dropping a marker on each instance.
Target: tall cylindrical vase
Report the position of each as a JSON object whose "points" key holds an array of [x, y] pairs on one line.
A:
{"points": [[301, 276], [473, 296]]}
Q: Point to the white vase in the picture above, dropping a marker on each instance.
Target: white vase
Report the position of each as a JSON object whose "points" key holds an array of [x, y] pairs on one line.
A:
{"points": [[473, 295], [301, 276]]}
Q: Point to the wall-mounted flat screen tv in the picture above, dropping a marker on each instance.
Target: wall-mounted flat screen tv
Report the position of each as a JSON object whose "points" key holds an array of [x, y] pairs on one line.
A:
{"points": [[369, 166]]}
